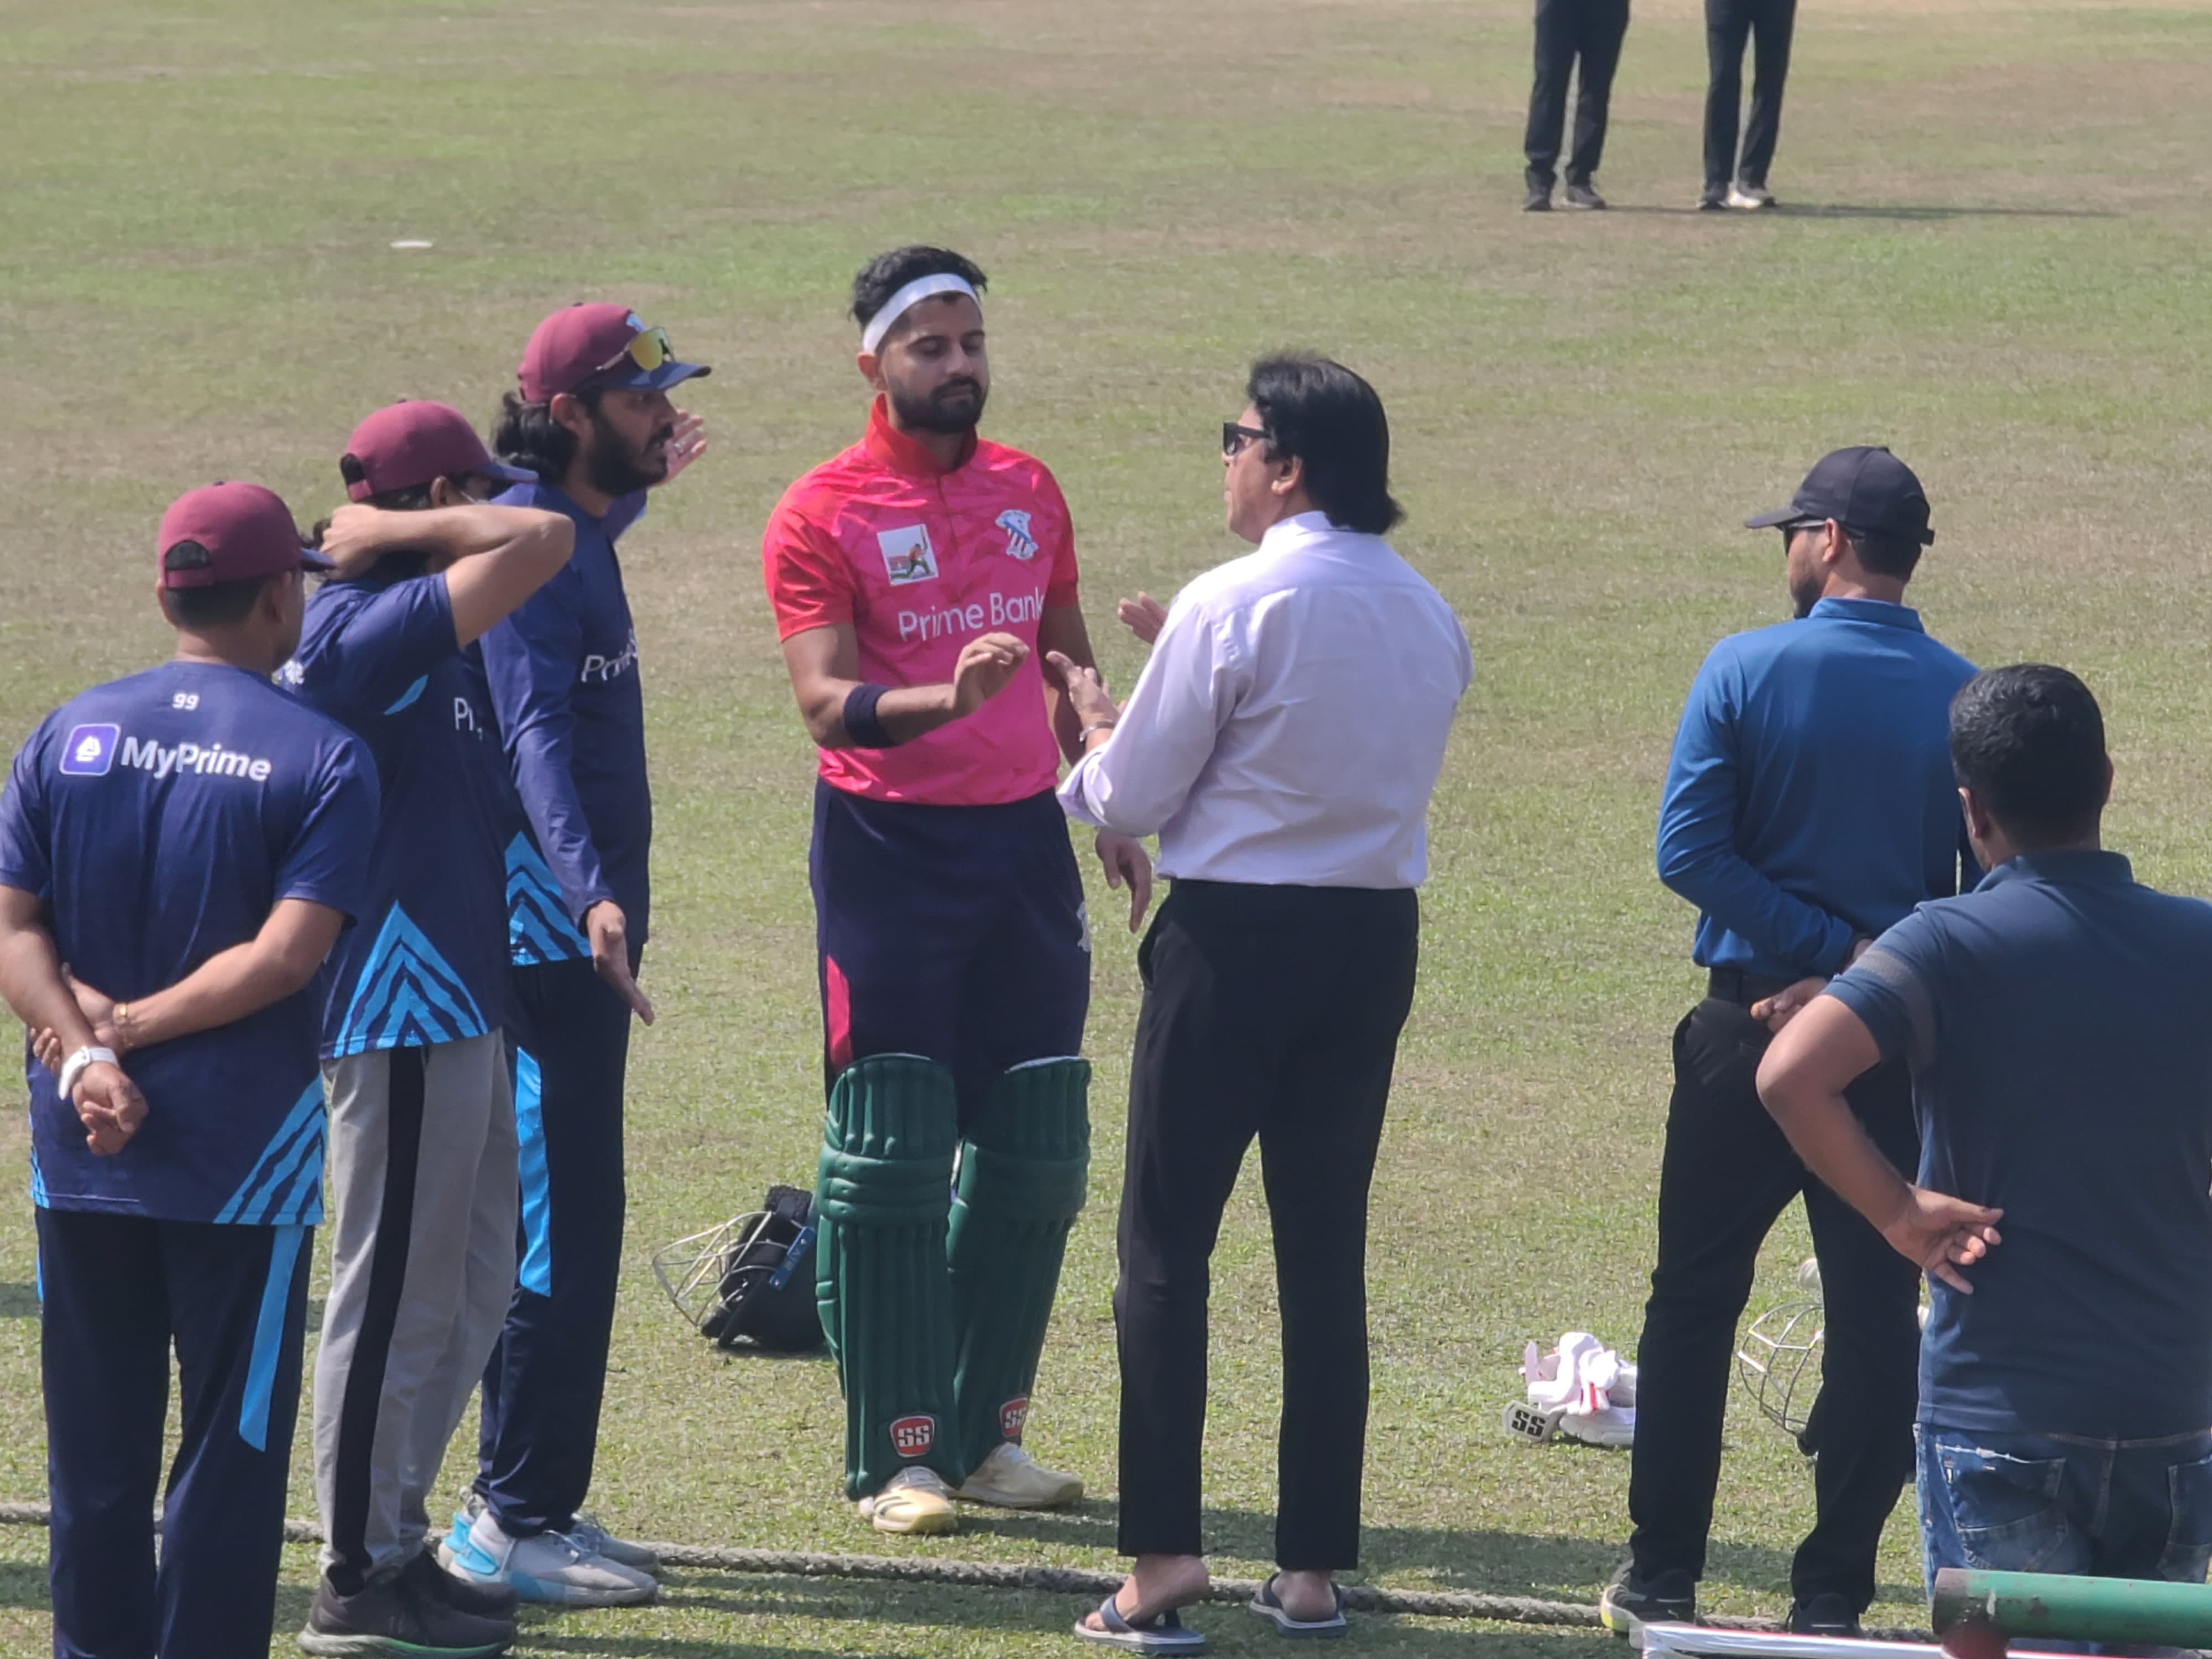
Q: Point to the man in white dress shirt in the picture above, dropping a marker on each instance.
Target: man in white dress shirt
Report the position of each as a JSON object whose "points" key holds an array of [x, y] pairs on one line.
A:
{"points": [[1283, 742]]}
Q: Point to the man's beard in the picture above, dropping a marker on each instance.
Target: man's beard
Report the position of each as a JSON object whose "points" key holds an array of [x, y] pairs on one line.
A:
{"points": [[953, 407], [616, 469], [1802, 601]]}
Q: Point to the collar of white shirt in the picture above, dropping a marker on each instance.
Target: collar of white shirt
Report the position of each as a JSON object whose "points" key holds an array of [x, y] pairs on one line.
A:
{"points": [[1297, 527]]}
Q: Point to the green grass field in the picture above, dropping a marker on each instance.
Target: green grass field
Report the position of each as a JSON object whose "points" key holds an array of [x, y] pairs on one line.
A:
{"points": [[1992, 257]]}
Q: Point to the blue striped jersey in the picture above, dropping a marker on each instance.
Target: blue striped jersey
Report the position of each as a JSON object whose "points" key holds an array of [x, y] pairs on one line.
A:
{"points": [[429, 963]]}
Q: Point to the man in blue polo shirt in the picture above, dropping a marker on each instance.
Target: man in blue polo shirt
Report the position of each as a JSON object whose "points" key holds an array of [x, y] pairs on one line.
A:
{"points": [[423, 1159], [1808, 806], [592, 420], [190, 841], [2053, 1019]]}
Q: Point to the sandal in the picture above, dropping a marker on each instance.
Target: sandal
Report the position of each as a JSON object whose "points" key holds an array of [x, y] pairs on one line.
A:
{"points": [[1267, 1605], [1164, 1632]]}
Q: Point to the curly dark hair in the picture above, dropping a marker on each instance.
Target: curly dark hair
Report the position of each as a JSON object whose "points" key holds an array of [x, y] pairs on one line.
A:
{"points": [[887, 273]]}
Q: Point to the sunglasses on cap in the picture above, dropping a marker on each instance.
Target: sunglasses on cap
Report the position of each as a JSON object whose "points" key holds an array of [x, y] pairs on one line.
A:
{"points": [[648, 348], [1235, 436]]}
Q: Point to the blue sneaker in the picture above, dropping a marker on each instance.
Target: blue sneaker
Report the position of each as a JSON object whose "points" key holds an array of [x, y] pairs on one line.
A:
{"points": [[552, 1567]]}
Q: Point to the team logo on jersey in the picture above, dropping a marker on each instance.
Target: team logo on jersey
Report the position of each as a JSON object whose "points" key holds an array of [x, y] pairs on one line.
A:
{"points": [[913, 1437], [907, 556], [90, 751], [1020, 545], [1013, 1416]]}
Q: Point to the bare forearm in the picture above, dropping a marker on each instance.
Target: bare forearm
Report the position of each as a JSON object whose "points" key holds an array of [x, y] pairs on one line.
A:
{"points": [[1828, 1136], [32, 984], [464, 533], [905, 712], [1062, 630], [225, 988]]}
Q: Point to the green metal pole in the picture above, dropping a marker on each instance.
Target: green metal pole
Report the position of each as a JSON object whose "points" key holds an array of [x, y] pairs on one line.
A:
{"points": [[2050, 1604]]}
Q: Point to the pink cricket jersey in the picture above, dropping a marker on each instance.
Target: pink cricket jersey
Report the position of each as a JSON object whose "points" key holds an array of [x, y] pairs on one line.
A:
{"points": [[920, 561]]}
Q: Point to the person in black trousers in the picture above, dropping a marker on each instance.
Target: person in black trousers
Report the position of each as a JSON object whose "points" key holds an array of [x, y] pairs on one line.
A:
{"points": [[1283, 742], [1731, 181], [1591, 30], [1809, 806]]}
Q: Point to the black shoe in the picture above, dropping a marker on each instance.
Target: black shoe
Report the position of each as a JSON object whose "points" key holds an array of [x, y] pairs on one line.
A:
{"points": [[1825, 1614], [1713, 200], [401, 1617], [1583, 196], [1630, 1602], [1539, 199], [485, 1599]]}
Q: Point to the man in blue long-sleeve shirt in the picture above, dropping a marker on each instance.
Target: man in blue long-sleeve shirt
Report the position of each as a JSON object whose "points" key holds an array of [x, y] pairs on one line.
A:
{"points": [[1809, 806], [592, 420]]}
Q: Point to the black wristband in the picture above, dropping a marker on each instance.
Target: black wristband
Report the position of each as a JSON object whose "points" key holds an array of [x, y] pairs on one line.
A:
{"points": [[862, 726]]}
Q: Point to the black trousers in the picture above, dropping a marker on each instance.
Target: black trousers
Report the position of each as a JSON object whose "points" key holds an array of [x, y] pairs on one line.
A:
{"points": [[539, 1431], [1726, 1175], [1565, 30], [1271, 1011], [1729, 23]]}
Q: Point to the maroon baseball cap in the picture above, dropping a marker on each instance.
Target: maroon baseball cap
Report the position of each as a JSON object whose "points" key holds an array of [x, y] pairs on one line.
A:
{"points": [[407, 444], [248, 532], [600, 345]]}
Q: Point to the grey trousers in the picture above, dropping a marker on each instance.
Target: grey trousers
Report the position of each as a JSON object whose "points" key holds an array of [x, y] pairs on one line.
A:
{"points": [[422, 1195]]}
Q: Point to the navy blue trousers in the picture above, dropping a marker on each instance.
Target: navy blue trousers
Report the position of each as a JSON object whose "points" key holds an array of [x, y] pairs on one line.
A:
{"points": [[117, 1291], [543, 1386], [954, 932]]}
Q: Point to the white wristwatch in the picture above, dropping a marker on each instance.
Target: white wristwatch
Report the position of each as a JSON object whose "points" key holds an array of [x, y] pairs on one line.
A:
{"points": [[74, 1067]]}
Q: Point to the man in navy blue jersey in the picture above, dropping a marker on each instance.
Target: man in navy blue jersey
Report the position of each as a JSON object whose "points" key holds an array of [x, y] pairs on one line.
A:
{"points": [[422, 1150], [592, 421], [191, 840]]}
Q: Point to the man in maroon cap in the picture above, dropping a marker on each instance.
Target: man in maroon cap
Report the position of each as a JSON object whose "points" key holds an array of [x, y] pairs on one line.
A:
{"points": [[422, 1159], [190, 841], [592, 420]]}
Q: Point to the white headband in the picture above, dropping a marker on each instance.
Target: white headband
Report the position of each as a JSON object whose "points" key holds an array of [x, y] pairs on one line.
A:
{"points": [[921, 288]]}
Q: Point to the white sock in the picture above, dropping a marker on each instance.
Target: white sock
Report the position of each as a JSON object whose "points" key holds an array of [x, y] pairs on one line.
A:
{"points": [[486, 1533]]}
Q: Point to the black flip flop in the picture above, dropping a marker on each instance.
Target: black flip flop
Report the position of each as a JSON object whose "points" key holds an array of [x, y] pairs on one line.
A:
{"points": [[1270, 1607]]}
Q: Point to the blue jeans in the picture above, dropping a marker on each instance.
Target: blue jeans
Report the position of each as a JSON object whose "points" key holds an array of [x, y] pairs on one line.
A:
{"points": [[2061, 1502]]}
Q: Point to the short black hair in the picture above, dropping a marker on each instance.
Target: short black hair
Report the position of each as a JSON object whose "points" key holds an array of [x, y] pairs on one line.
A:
{"points": [[526, 435], [1895, 556], [219, 604], [887, 273], [1318, 410], [2029, 740]]}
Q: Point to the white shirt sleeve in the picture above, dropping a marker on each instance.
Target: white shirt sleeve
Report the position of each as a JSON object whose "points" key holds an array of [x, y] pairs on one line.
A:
{"points": [[1140, 776]]}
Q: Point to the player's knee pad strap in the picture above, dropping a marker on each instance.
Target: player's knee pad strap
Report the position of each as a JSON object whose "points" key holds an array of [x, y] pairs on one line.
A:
{"points": [[881, 1278], [1023, 1170]]}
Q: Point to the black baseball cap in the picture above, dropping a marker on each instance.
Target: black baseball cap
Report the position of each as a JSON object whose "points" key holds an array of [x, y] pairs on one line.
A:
{"points": [[1864, 489]]}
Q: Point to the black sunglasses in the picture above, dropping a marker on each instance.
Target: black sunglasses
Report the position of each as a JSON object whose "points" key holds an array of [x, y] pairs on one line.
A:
{"points": [[1235, 437]]}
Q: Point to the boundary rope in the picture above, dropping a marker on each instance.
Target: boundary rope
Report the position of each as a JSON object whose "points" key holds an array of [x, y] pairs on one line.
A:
{"points": [[1070, 1581]]}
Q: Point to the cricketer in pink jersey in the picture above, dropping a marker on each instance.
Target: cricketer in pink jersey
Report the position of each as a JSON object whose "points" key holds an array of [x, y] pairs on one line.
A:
{"points": [[919, 580]]}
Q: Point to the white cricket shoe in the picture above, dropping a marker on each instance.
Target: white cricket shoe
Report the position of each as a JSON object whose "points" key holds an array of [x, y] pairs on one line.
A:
{"points": [[552, 1567], [914, 1500], [1009, 1479]]}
